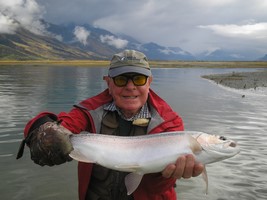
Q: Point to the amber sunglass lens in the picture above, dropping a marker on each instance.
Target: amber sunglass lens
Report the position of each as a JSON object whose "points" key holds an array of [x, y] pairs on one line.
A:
{"points": [[139, 80], [120, 81]]}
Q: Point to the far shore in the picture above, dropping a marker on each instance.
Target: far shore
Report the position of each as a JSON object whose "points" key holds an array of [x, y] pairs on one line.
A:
{"points": [[153, 64], [240, 80], [237, 80]]}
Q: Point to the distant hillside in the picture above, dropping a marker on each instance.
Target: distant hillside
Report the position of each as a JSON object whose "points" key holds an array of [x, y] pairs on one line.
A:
{"points": [[264, 58], [93, 41], [157, 52], [64, 42], [99, 44], [25, 45]]}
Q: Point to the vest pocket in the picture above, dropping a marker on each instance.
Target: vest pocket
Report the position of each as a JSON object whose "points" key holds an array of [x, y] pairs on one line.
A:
{"points": [[100, 173]]}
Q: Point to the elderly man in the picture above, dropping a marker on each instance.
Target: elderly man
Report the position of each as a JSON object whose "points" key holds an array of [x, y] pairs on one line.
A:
{"points": [[115, 111]]}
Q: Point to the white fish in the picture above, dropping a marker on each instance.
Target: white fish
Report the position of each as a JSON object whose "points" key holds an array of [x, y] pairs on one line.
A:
{"points": [[149, 153]]}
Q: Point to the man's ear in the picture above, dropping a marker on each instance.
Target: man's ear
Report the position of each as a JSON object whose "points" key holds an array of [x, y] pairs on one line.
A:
{"points": [[106, 78], [150, 79]]}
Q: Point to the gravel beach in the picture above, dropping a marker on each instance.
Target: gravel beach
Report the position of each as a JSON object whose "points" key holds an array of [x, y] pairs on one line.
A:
{"points": [[240, 80]]}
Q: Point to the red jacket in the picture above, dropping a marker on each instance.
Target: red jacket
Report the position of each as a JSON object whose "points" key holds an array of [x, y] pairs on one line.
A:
{"points": [[82, 117]]}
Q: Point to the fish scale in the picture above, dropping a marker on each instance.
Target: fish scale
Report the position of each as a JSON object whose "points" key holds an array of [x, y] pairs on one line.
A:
{"points": [[149, 153]]}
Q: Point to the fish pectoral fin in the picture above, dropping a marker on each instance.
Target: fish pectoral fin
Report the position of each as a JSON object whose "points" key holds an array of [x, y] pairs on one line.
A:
{"points": [[194, 144], [77, 155], [132, 181], [205, 177], [129, 167]]}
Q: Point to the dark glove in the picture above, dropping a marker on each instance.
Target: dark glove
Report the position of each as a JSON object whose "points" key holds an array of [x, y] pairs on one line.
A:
{"points": [[50, 144]]}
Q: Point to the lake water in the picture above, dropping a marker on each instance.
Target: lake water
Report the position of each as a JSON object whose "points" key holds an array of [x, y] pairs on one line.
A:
{"points": [[204, 106]]}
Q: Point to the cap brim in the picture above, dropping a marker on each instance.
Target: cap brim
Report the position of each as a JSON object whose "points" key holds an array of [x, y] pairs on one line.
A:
{"points": [[129, 69]]}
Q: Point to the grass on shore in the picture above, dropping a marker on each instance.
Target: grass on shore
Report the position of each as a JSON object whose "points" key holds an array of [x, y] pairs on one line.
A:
{"points": [[155, 64], [210, 64], [56, 62]]}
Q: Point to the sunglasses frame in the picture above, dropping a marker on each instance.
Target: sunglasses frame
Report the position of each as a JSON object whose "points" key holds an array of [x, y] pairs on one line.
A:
{"points": [[129, 77]]}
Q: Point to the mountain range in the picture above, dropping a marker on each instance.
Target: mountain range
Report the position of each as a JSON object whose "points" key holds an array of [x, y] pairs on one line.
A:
{"points": [[72, 41]]}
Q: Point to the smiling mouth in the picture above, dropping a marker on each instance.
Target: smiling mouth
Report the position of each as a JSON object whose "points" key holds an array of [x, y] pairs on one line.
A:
{"points": [[130, 97]]}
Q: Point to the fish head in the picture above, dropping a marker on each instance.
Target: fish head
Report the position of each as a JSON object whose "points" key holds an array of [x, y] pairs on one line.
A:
{"points": [[217, 147]]}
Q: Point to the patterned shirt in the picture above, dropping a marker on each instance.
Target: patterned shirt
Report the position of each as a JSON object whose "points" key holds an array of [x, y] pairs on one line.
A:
{"points": [[142, 114]]}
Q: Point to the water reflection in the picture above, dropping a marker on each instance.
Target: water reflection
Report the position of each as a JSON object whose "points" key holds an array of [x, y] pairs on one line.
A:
{"points": [[24, 91]]}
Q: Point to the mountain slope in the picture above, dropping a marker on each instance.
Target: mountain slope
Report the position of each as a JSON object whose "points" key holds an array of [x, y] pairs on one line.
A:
{"points": [[25, 45], [62, 42], [107, 48], [264, 58], [94, 43], [157, 52]]}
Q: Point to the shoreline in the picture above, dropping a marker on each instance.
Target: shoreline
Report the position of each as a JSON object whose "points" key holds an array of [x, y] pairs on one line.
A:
{"points": [[153, 63], [240, 80], [235, 80]]}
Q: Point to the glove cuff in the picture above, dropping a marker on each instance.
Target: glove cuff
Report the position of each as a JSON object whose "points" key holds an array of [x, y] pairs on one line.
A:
{"points": [[35, 125], [41, 121]]}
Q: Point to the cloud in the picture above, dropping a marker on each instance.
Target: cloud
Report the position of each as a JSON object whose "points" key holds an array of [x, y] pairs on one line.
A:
{"points": [[112, 41], [193, 25], [21, 13], [7, 25], [253, 31], [168, 51], [81, 34]]}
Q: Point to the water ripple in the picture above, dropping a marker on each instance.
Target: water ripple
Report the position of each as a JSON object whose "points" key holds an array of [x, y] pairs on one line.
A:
{"points": [[25, 91]]}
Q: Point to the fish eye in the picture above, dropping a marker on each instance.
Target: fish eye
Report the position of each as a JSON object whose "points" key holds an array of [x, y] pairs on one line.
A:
{"points": [[222, 138]]}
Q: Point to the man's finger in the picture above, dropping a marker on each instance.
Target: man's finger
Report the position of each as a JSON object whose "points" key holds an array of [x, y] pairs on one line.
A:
{"points": [[198, 169], [180, 166], [189, 166], [168, 171]]}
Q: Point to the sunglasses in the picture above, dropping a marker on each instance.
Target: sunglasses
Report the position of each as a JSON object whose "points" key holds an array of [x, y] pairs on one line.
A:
{"points": [[122, 80]]}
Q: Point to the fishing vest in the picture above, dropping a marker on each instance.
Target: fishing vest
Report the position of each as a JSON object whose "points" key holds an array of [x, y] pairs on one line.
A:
{"points": [[107, 184]]}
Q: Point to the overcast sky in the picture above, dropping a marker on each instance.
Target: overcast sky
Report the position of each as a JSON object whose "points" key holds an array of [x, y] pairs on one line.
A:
{"points": [[193, 25]]}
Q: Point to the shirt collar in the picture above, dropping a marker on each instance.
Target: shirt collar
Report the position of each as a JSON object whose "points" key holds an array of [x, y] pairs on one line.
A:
{"points": [[142, 114]]}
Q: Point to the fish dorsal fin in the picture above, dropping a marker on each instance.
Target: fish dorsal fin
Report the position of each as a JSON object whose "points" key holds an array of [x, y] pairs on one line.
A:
{"points": [[205, 177], [132, 181]]}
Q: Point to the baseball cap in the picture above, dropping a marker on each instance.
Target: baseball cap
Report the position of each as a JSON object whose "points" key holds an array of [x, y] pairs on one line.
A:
{"points": [[129, 61]]}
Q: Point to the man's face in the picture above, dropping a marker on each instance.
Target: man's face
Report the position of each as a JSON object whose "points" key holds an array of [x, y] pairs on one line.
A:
{"points": [[129, 98]]}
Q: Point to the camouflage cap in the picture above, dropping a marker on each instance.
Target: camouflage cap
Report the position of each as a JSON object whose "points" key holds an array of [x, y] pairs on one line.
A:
{"points": [[129, 61]]}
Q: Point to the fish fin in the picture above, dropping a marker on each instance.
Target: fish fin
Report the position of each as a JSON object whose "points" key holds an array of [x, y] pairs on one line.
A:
{"points": [[205, 177], [130, 167], [194, 144], [132, 181], [77, 155]]}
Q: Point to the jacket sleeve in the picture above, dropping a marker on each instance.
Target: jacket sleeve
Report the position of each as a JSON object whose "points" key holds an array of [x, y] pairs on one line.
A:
{"points": [[76, 121]]}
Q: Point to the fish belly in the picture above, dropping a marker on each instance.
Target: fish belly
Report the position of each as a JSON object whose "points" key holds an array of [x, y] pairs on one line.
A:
{"points": [[141, 155]]}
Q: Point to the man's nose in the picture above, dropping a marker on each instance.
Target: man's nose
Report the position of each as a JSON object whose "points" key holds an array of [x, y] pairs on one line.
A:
{"points": [[130, 83]]}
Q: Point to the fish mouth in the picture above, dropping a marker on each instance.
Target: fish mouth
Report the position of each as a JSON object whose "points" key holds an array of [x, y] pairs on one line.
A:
{"points": [[232, 144]]}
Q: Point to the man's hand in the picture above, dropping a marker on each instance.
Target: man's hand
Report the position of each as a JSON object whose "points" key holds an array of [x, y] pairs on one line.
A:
{"points": [[50, 144], [185, 167]]}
